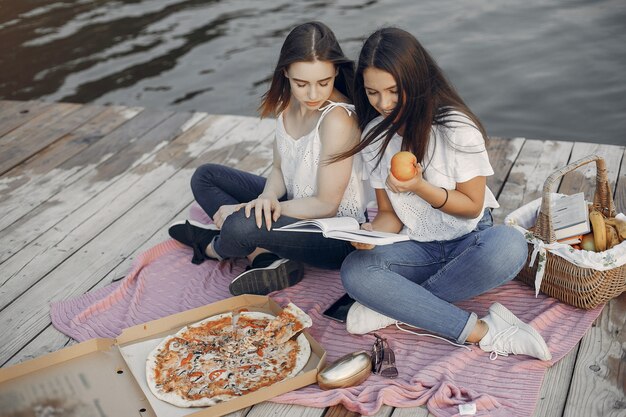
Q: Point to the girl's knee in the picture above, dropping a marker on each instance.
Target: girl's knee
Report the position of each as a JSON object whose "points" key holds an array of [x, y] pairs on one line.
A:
{"points": [[516, 242], [507, 245], [354, 268], [238, 226], [204, 175]]}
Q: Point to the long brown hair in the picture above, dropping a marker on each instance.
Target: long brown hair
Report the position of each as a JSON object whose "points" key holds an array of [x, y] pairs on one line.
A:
{"points": [[307, 42], [425, 96]]}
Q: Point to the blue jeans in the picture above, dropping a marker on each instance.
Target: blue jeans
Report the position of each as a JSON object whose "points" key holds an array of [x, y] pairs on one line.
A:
{"points": [[417, 282], [216, 185]]}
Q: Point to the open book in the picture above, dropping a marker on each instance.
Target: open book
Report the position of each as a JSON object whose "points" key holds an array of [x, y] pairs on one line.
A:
{"points": [[570, 217], [343, 228]]}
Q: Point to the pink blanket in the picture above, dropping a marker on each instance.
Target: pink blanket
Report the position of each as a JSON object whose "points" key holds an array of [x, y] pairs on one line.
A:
{"points": [[432, 372]]}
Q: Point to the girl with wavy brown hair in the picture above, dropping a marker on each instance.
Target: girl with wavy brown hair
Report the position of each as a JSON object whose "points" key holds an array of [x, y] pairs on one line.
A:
{"points": [[405, 103], [310, 94]]}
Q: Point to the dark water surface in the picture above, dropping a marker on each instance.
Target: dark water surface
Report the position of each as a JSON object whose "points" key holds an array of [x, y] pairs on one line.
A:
{"points": [[548, 69]]}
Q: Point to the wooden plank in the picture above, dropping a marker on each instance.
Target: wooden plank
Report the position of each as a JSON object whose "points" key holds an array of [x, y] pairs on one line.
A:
{"points": [[42, 164], [28, 314], [537, 159], [341, 411], [13, 114], [86, 203], [240, 413], [557, 378], [28, 139], [76, 141], [555, 387], [71, 278], [597, 387], [48, 184], [18, 231], [385, 411], [49, 119], [586, 175], [265, 409], [411, 412], [257, 162], [49, 340], [502, 155]]}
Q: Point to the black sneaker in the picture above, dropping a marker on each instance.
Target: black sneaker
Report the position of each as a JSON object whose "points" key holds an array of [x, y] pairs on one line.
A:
{"points": [[267, 273], [196, 235]]}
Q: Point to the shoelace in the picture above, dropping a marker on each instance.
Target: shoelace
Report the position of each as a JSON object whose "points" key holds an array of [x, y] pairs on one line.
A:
{"points": [[501, 343], [398, 323]]}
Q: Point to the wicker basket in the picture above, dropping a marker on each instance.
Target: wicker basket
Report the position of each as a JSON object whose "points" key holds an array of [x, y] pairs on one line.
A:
{"points": [[581, 287]]}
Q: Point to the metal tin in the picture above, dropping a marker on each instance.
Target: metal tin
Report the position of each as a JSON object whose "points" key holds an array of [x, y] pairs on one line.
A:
{"points": [[349, 370]]}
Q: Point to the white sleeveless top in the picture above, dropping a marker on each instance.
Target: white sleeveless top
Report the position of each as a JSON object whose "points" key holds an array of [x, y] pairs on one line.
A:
{"points": [[300, 159], [456, 153]]}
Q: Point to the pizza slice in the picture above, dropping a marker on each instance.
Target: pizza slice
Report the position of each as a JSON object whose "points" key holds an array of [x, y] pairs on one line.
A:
{"points": [[288, 323]]}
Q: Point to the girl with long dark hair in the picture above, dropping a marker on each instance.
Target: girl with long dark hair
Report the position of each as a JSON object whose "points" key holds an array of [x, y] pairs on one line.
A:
{"points": [[310, 93], [405, 103]]}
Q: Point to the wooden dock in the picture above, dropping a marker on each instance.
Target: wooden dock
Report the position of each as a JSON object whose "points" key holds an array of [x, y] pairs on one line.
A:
{"points": [[84, 189]]}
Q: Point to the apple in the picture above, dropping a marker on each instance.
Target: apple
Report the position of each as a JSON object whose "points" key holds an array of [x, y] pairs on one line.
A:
{"points": [[403, 166], [587, 242]]}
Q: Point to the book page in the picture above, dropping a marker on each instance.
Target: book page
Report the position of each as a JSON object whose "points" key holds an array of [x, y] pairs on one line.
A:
{"points": [[325, 225], [367, 236], [568, 211]]}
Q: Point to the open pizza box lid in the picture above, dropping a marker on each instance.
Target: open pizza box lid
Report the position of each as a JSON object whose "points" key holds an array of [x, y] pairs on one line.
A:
{"points": [[107, 376]]}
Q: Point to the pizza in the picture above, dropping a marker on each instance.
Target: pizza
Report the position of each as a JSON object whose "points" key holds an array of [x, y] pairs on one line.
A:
{"points": [[226, 356], [289, 322]]}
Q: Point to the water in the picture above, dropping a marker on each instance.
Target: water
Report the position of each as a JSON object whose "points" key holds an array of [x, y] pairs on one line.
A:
{"points": [[547, 69]]}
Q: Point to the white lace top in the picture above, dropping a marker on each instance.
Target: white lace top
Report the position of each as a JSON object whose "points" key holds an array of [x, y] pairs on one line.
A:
{"points": [[300, 159], [455, 154]]}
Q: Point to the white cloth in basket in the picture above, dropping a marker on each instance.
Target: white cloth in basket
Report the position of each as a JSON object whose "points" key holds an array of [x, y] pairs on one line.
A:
{"points": [[526, 216]]}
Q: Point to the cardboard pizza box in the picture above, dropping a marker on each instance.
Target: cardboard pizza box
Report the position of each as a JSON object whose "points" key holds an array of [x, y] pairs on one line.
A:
{"points": [[106, 377]]}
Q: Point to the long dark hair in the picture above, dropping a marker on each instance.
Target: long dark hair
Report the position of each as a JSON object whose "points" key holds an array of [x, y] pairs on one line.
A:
{"points": [[307, 42], [425, 96]]}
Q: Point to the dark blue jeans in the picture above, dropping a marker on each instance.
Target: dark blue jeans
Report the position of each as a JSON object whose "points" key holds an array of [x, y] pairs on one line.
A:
{"points": [[216, 185]]}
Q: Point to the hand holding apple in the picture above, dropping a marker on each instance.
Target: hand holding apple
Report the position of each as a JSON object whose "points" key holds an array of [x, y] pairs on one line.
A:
{"points": [[403, 166]]}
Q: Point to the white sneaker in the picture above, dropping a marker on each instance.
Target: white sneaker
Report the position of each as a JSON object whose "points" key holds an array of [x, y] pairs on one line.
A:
{"points": [[361, 320], [507, 334]]}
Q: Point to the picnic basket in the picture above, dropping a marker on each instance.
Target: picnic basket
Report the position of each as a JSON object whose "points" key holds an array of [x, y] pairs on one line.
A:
{"points": [[575, 285]]}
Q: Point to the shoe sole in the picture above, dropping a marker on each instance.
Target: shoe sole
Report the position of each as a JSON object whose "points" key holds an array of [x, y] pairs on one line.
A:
{"points": [[509, 317], [279, 275], [210, 226]]}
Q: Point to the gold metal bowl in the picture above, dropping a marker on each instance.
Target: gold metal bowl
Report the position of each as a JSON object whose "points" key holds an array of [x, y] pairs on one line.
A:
{"points": [[349, 370]]}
